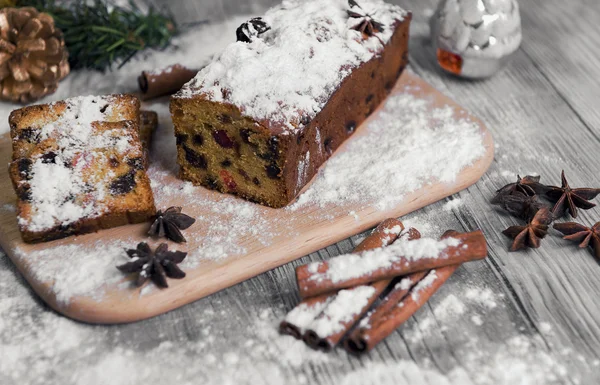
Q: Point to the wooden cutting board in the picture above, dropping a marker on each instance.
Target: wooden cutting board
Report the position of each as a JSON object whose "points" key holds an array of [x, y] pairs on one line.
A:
{"points": [[292, 234]]}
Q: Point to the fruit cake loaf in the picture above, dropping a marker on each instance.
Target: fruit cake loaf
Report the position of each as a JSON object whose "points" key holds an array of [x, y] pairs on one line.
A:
{"points": [[260, 119], [78, 166]]}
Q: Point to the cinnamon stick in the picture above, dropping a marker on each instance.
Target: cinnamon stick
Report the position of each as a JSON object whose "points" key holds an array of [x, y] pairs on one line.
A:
{"points": [[341, 314], [383, 322], [299, 319], [361, 339], [164, 81], [399, 259], [348, 306]]}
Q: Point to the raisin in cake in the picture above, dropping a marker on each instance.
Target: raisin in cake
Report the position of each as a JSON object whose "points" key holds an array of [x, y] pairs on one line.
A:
{"points": [[260, 119], [78, 166]]}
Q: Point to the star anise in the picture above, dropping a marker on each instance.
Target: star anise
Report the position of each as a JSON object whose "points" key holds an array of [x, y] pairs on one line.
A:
{"points": [[531, 234], [155, 265], [521, 205], [366, 24], [579, 233], [570, 199], [251, 29], [529, 185], [168, 224]]}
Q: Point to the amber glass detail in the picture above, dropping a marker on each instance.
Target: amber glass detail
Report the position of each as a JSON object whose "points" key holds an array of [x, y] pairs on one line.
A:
{"points": [[449, 61]]}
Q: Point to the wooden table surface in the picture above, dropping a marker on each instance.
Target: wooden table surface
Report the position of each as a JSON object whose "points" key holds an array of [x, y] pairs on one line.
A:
{"points": [[535, 317]]}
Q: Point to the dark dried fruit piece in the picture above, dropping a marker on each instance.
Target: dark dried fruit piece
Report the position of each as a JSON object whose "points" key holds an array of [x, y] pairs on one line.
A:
{"points": [[195, 159], [327, 145], [222, 139], [168, 224], [24, 193], [123, 184], [136, 163], [198, 139], [350, 126], [273, 171], [180, 138], [245, 135], [29, 134], [224, 118], [226, 163], [251, 29], [243, 173], [49, 157], [211, 182], [256, 181], [24, 167]]}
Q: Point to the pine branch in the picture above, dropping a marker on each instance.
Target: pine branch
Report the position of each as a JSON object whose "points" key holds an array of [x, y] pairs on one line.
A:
{"points": [[99, 34]]}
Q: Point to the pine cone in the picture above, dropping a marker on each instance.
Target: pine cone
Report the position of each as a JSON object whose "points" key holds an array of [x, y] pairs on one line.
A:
{"points": [[33, 56]]}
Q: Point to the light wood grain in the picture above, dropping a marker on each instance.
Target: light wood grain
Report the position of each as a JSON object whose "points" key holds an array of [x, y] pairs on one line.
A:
{"points": [[120, 304]]}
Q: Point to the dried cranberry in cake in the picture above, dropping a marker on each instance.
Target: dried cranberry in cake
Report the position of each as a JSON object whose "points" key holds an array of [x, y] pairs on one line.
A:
{"points": [[222, 139], [228, 180], [288, 98], [87, 171]]}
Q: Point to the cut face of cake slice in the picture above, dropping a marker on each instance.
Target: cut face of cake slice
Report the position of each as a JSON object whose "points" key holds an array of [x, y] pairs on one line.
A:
{"points": [[78, 166], [260, 119]]}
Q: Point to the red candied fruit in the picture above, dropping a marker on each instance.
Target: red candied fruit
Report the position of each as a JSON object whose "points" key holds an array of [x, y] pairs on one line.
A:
{"points": [[228, 180]]}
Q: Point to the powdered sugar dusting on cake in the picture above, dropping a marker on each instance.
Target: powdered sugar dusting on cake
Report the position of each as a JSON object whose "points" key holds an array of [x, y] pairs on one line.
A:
{"points": [[348, 266], [62, 188], [292, 70]]}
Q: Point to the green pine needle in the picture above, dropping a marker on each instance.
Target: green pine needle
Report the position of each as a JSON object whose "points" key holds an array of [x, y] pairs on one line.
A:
{"points": [[99, 34]]}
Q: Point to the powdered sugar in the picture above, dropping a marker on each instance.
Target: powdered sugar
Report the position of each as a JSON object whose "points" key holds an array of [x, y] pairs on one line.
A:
{"points": [[302, 315], [292, 69], [423, 284], [59, 179], [354, 265], [342, 309], [76, 271], [405, 148]]}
